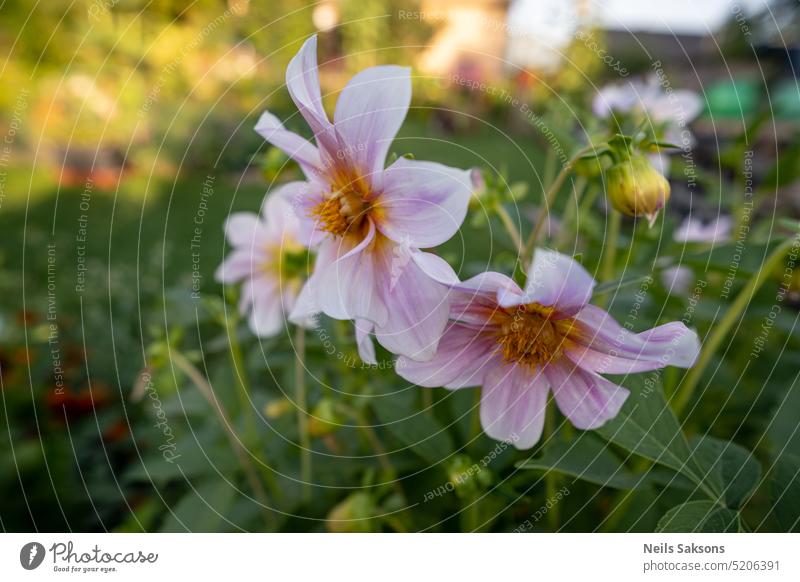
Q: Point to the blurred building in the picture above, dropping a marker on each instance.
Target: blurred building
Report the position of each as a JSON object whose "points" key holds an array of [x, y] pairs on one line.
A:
{"points": [[470, 37]]}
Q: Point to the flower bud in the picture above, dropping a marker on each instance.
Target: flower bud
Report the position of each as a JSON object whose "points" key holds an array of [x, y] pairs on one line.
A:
{"points": [[278, 408], [636, 188], [324, 418]]}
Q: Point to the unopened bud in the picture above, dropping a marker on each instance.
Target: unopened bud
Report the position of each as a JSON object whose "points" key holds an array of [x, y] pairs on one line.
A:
{"points": [[324, 419], [636, 188], [277, 408]]}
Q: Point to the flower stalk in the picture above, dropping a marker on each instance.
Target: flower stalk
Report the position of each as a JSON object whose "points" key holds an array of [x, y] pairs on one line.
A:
{"points": [[721, 331], [301, 398]]}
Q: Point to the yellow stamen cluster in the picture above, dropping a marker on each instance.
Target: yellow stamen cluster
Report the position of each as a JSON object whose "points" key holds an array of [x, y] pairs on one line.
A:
{"points": [[340, 213], [527, 335]]}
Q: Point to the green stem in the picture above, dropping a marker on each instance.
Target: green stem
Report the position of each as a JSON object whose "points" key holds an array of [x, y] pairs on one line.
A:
{"points": [[570, 215], [475, 420], [612, 242], [551, 477], [301, 398], [239, 451], [734, 314], [240, 371], [549, 199], [511, 228]]}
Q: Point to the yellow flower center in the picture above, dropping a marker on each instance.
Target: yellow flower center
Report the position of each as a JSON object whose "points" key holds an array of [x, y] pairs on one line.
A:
{"points": [[528, 335], [342, 213]]}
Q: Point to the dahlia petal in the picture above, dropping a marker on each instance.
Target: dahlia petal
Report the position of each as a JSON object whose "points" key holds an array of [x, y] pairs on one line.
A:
{"points": [[423, 203], [435, 267], [586, 399], [299, 149], [306, 307], [606, 347], [266, 315], [489, 282], [348, 288], [461, 360], [475, 300], [302, 81], [245, 229], [278, 209], [369, 112], [366, 348], [513, 402], [239, 265], [309, 228], [419, 305], [556, 280]]}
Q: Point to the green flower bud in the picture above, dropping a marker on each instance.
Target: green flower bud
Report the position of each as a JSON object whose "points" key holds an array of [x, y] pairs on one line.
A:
{"points": [[324, 418], [636, 188]]}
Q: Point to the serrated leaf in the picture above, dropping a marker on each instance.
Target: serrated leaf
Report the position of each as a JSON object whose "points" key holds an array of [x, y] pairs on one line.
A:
{"points": [[586, 457], [647, 426], [699, 517]]}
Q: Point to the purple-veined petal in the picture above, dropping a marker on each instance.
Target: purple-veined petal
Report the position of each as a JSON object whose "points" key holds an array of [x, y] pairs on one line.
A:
{"points": [[366, 348], [418, 305], [302, 81], [461, 360], [350, 287], [370, 110], [513, 401], [556, 280], [475, 300], [604, 346], [299, 149], [423, 203], [586, 399]]}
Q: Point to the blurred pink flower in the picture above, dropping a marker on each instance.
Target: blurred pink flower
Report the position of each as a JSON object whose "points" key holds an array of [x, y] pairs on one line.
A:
{"points": [[269, 258], [694, 230], [519, 345], [369, 221], [669, 111]]}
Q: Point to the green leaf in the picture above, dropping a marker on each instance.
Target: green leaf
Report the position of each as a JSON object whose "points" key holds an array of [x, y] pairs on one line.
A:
{"points": [[785, 490], [730, 469], [202, 509], [587, 458], [721, 257], [417, 430], [699, 517], [647, 426]]}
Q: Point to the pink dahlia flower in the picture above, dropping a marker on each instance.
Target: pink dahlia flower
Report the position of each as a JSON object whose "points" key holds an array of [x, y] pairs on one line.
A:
{"points": [[269, 258], [369, 221], [521, 344]]}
